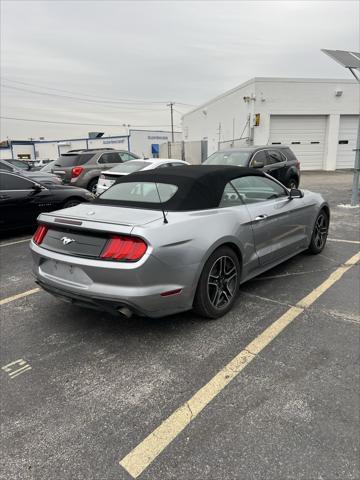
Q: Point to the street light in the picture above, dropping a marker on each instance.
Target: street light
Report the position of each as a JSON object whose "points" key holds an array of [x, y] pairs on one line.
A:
{"points": [[351, 61]]}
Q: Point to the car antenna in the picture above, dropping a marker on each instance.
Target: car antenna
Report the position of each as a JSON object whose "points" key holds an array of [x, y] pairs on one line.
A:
{"points": [[162, 208]]}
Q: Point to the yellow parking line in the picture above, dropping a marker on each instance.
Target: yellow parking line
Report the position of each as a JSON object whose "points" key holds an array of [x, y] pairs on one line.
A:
{"points": [[145, 453], [19, 295], [356, 242], [14, 243]]}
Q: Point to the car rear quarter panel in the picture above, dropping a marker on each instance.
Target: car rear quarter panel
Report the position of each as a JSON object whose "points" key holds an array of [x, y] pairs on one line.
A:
{"points": [[187, 241]]}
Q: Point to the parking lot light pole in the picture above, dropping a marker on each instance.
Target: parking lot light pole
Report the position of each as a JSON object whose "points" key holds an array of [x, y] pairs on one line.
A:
{"points": [[351, 61]]}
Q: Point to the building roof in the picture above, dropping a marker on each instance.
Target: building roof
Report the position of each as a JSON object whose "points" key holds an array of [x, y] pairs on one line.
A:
{"points": [[269, 80]]}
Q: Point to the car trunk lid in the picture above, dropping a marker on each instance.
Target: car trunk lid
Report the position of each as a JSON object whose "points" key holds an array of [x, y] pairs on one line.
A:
{"points": [[105, 218]]}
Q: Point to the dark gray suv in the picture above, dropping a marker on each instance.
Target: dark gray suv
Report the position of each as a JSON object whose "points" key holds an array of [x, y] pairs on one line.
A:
{"points": [[82, 168], [277, 160]]}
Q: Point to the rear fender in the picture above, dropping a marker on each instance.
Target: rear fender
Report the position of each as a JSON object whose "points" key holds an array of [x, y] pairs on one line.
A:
{"points": [[231, 241]]}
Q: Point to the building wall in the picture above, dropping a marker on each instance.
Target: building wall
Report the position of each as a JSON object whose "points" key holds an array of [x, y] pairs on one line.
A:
{"points": [[5, 153], [141, 140], [118, 143], [270, 96]]}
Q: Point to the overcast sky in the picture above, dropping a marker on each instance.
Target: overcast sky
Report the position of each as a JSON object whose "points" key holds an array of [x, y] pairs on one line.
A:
{"points": [[119, 58]]}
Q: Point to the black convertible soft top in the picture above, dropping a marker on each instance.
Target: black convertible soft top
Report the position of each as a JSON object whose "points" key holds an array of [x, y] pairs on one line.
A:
{"points": [[200, 187]]}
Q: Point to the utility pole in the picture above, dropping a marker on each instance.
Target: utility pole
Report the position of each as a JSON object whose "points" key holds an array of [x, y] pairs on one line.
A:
{"points": [[219, 133], [171, 105]]}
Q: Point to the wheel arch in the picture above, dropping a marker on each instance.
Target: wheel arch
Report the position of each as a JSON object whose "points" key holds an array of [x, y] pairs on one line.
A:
{"points": [[230, 242], [326, 209], [74, 198]]}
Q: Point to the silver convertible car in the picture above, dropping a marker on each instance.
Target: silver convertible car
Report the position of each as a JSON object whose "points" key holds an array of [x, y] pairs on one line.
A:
{"points": [[160, 242]]}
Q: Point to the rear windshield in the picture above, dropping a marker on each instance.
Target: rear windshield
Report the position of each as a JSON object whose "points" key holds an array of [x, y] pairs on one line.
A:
{"points": [[240, 159], [128, 167], [140, 192], [70, 160]]}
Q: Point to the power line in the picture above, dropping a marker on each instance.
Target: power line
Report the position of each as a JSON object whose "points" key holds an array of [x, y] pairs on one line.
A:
{"points": [[79, 123], [78, 99], [123, 100]]}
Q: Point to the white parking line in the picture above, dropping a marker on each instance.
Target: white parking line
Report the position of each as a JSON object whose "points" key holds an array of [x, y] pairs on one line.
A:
{"points": [[14, 243], [12, 368], [136, 461]]}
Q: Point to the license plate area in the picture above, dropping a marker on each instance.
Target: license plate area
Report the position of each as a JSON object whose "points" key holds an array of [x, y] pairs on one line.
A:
{"points": [[65, 273]]}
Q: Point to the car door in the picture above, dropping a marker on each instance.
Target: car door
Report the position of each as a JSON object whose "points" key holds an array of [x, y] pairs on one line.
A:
{"points": [[278, 222], [16, 208], [275, 163]]}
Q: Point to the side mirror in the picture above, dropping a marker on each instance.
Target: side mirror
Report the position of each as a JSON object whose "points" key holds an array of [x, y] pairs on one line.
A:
{"points": [[296, 193], [257, 164]]}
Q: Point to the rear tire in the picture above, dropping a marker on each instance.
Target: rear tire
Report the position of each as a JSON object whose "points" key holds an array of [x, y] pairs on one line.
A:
{"points": [[292, 183], [320, 233], [218, 284], [71, 203], [92, 185]]}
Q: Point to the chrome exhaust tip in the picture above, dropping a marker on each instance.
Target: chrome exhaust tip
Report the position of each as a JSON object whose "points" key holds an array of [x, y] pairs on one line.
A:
{"points": [[125, 311]]}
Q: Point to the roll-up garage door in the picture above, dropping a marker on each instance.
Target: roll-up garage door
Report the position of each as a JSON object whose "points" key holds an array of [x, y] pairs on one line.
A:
{"points": [[347, 141], [305, 134]]}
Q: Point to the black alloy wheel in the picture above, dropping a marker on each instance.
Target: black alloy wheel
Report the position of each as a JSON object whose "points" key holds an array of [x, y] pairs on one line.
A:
{"points": [[320, 233], [222, 282], [219, 284]]}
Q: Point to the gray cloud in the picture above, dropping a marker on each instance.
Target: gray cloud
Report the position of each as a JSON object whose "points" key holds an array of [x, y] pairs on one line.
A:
{"points": [[156, 51]]}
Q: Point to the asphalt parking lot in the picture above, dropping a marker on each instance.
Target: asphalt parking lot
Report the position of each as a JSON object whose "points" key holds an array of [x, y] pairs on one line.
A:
{"points": [[86, 395]]}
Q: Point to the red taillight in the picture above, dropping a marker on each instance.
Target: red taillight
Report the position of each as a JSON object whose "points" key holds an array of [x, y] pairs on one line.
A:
{"points": [[75, 171], [127, 249], [40, 233], [297, 164]]}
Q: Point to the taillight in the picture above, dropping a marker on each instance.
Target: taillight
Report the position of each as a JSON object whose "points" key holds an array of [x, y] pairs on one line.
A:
{"points": [[124, 248], [40, 233], [297, 164], [75, 171]]}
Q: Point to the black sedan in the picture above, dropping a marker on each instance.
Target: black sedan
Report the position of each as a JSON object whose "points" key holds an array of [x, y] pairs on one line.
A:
{"points": [[42, 177], [22, 199]]}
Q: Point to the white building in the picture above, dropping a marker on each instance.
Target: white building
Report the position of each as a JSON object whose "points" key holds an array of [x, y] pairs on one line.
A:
{"points": [[317, 118], [141, 142]]}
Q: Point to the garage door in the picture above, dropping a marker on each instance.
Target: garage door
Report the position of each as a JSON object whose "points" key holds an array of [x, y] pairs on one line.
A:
{"points": [[305, 134], [347, 141]]}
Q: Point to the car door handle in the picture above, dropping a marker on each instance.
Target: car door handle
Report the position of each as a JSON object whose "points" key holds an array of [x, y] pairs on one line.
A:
{"points": [[260, 217]]}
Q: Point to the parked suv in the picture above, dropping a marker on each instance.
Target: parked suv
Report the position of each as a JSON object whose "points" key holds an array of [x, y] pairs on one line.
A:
{"points": [[277, 160], [82, 168]]}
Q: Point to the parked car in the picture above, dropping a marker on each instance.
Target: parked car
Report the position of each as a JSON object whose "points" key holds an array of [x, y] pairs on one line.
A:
{"points": [[43, 177], [82, 168], [109, 177], [48, 167], [39, 164], [22, 199], [279, 161], [167, 240], [19, 164]]}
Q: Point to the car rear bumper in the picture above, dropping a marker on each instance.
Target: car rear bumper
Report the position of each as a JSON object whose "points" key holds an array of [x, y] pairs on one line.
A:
{"points": [[109, 286]]}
